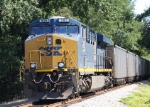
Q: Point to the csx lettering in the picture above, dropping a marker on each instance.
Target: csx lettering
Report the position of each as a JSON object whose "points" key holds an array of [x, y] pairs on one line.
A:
{"points": [[48, 51]]}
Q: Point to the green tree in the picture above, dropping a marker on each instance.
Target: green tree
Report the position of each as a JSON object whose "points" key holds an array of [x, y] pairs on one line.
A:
{"points": [[116, 20], [145, 32], [14, 21]]}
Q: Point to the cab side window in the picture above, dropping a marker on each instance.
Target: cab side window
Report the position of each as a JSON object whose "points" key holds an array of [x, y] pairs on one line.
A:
{"points": [[88, 35]]}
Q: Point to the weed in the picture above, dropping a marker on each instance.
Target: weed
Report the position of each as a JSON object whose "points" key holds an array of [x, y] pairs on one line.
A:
{"points": [[140, 98]]}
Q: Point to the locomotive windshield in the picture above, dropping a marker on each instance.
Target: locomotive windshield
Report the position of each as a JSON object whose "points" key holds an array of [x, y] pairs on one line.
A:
{"points": [[41, 30], [67, 29]]}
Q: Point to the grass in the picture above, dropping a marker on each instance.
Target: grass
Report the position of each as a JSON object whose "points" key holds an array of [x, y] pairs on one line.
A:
{"points": [[140, 98]]}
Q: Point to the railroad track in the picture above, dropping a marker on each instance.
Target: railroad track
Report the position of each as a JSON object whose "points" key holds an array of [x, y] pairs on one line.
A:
{"points": [[65, 103]]}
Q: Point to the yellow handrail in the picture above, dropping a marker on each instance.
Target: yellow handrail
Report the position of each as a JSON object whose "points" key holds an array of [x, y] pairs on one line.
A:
{"points": [[39, 55], [72, 57]]}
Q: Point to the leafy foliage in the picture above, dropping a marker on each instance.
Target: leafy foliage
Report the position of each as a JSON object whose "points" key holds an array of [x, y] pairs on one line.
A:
{"points": [[145, 35], [14, 20], [143, 15], [116, 20], [145, 32]]}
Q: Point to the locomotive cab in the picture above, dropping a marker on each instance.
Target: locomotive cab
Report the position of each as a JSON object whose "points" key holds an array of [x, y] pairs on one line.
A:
{"points": [[48, 43]]}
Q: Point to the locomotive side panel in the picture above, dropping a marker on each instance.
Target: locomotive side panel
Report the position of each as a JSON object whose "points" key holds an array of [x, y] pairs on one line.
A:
{"points": [[86, 51], [100, 59]]}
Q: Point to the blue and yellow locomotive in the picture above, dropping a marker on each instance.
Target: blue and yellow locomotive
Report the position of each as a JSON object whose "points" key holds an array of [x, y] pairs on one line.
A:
{"points": [[63, 58]]}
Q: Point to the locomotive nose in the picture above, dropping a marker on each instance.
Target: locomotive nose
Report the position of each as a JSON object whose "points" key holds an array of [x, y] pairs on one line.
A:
{"points": [[50, 52]]}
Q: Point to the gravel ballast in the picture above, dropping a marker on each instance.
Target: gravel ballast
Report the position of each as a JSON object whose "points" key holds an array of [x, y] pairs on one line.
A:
{"points": [[109, 99]]}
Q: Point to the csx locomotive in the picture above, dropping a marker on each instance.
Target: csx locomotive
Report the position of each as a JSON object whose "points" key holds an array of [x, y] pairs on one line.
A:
{"points": [[64, 57]]}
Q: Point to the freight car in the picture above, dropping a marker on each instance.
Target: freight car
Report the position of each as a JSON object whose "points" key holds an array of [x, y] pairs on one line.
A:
{"points": [[64, 57], [127, 66]]}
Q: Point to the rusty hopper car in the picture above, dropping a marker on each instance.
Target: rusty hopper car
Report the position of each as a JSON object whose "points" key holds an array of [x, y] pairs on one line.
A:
{"points": [[64, 57]]}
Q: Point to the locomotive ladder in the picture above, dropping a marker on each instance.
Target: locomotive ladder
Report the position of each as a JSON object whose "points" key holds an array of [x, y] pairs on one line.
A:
{"points": [[105, 61], [39, 51]]}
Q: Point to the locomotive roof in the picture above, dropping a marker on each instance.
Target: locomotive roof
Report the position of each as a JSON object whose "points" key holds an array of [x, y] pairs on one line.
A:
{"points": [[59, 20], [103, 38], [56, 20]]}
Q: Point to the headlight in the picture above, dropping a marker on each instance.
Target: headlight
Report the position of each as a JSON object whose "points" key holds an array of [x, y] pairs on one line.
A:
{"points": [[61, 64], [49, 40], [33, 65]]}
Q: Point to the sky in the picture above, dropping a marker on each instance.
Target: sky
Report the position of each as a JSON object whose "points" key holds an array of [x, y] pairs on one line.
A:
{"points": [[141, 5]]}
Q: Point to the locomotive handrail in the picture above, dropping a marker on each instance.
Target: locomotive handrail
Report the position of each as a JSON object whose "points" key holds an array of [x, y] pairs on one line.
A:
{"points": [[40, 80], [110, 61], [40, 40], [39, 55], [72, 57], [107, 58]]}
